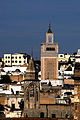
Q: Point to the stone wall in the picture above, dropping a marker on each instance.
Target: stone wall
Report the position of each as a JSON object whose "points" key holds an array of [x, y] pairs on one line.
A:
{"points": [[55, 111], [59, 111], [17, 78]]}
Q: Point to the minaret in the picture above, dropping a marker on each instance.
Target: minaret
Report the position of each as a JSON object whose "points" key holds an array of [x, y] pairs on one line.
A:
{"points": [[30, 71], [49, 57], [31, 91]]}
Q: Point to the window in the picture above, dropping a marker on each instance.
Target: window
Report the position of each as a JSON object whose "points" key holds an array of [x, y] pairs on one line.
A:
{"points": [[16, 57], [50, 39], [53, 115], [19, 61], [61, 55], [12, 61], [41, 115], [75, 106], [37, 95], [66, 116], [20, 57], [32, 93], [24, 61], [27, 96], [50, 49], [8, 61], [16, 61], [6, 57], [12, 57], [4, 87], [17, 92], [13, 106]]}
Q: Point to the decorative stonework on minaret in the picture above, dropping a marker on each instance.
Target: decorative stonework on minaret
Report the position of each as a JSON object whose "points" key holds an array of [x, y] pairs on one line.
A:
{"points": [[31, 91], [31, 73], [49, 57]]}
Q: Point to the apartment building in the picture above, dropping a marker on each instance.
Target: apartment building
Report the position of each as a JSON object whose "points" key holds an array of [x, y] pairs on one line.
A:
{"points": [[16, 59]]}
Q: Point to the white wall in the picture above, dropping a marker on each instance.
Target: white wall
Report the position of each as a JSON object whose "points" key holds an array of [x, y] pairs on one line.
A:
{"points": [[13, 68], [53, 82]]}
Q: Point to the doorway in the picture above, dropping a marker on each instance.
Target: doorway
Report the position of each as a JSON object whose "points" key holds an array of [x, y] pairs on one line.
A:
{"points": [[53, 115], [41, 115]]}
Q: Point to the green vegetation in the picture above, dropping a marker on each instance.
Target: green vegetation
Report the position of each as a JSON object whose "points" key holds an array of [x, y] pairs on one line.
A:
{"points": [[5, 79]]}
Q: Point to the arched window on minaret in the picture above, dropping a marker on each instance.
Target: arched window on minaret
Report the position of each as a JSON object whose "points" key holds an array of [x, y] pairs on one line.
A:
{"points": [[49, 35]]}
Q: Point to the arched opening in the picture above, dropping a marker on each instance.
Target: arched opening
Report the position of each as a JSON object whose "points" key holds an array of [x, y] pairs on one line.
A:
{"points": [[41, 115], [53, 115], [26, 116], [66, 116]]}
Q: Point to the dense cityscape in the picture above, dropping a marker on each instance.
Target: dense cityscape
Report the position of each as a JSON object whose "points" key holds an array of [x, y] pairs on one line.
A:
{"points": [[46, 88]]}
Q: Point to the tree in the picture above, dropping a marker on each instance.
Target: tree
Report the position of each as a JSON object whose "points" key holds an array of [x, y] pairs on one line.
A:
{"points": [[5, 79], [1, 111], [1, 107]]}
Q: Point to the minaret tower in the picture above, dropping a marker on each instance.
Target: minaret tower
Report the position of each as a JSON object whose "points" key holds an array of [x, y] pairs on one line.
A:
{"points": [[31, 91], [49, 57]]}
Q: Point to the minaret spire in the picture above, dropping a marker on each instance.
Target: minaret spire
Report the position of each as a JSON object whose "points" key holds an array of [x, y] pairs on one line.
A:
{"points": [[49, 30], [49, 26]]}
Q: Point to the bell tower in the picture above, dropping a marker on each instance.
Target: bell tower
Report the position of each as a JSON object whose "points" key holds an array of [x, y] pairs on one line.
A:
{"points": [[49, 57]]}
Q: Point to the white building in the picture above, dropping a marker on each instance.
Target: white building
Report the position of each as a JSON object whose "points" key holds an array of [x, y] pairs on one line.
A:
{"points": [[63, 57], [14, 68], [11, 89], [53, 82], [16, 59], [77, 56]]}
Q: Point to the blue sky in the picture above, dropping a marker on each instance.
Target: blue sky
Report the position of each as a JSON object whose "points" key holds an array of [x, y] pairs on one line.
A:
{"points": [[24, 23]]}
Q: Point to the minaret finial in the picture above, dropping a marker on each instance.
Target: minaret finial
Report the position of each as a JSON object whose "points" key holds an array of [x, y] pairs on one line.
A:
{"points": [[49, 30], [49, 26]]}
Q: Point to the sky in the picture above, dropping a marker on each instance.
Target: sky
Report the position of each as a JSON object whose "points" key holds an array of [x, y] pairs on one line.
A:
{"points": [[24, 23]]}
